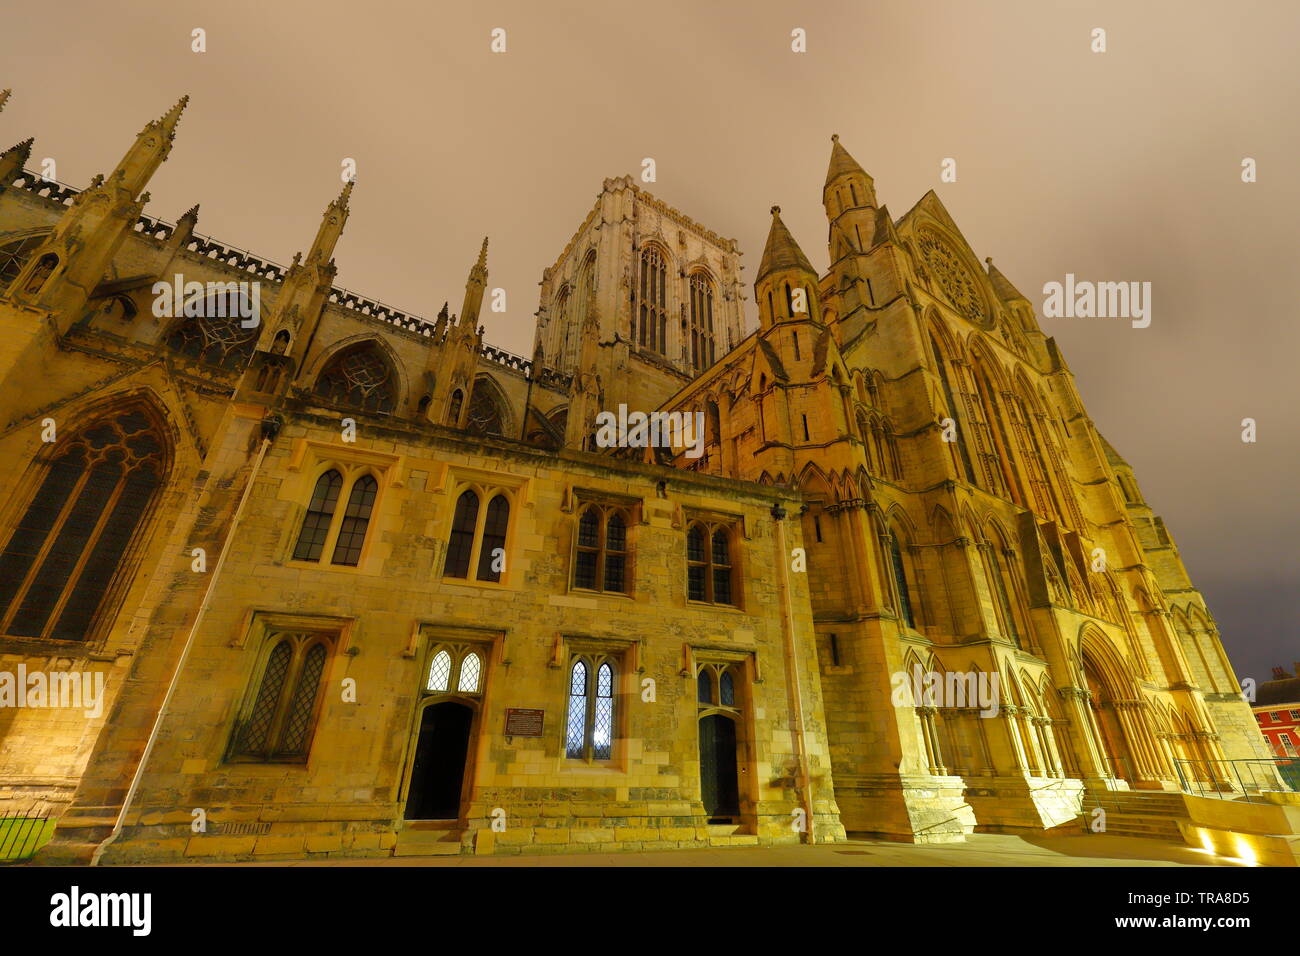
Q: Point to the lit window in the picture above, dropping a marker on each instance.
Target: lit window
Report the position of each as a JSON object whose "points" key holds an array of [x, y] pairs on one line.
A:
{"points": [[589, 726]]}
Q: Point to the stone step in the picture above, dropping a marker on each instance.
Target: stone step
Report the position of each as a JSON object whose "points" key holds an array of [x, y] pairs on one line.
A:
{"points": [[428, 843]]}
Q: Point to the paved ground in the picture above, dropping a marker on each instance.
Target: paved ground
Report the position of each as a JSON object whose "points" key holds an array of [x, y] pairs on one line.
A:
{"points": [[981, 849]]}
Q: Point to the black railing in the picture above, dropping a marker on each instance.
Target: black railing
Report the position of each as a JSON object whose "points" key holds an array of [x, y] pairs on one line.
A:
{"points": [[22, 835]]}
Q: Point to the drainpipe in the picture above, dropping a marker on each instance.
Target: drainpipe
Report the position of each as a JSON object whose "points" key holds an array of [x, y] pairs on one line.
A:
{"points": [[792, 668], [270, 427]]}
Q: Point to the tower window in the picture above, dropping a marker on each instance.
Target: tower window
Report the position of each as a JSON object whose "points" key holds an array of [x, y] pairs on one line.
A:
{"points": [[652, 301], [702, 348]]}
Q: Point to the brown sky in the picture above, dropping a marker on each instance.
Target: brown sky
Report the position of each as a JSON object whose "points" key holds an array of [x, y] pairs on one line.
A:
{"points": [[1116, 166]]}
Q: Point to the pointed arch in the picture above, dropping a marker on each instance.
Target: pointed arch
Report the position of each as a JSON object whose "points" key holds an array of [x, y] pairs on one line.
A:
{"points": [[489, 409], [76, 541], [361, 375]]}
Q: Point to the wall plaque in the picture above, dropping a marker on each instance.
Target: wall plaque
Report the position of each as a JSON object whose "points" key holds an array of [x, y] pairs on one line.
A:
{"points": [[524, 722]]}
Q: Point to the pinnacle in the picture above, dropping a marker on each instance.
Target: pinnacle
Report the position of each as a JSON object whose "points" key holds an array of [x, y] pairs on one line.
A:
{"points": [[842, 163], [346, 194]]}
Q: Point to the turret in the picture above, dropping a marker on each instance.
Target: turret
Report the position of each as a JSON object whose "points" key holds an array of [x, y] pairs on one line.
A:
{"points": [[12, 161], [849, 197], [783, 272]]}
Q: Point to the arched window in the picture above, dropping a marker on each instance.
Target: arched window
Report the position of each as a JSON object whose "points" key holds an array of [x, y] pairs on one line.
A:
{"points": [[491, 557], [453, 413], [439, 672], [485, 416], [454, 666], [710, 570], [652, 301], [461, 544], [352, 533], [213, 331], [702, 341], [44, 269], [999, 445], [14, 255], [359, 377], [317, 525], [589, 725], [277, 726], [94, 498], [600, 560], [953, 409], [320, 515], [900, 582], [470, 669]]}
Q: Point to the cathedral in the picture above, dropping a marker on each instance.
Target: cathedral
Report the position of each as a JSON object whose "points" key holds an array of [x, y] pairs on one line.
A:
{"points": [[286, 573]]}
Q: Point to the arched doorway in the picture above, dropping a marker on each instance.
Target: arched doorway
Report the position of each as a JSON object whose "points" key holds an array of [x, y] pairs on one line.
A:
{"points": [[719, 782], [1110, 735], [438, 770]]}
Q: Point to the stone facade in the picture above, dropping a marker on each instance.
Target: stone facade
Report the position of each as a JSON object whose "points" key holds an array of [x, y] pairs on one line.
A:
{"points": [[360, 583]]}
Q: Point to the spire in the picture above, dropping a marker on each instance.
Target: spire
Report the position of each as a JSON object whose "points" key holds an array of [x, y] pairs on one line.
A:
{"points": [[841, 163], [332, 222], [474, 287], [12, 161], [149, 151], [781, 251]]}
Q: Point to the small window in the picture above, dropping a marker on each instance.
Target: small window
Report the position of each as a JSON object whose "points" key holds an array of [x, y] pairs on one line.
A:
{"points": [[710, 570], [455, 666], [318, 524], [478, 536], [279, 721], [601, 553], [589, 725]]}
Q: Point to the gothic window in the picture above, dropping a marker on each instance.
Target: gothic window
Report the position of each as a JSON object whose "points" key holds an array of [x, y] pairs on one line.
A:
{"points": [[453, 414], [44, 269], [478, 536], [319, 524], [14, 255], [716, 685], [652, 301], [601, 555], [485, 416], [320, 514], [900, 582], [212, 331], [352, 533], [953, 409], [589, 725], [68, 547], [999, 446], [702, 340], [710, 566], [359, 377], [455, 667], [279, 719]]}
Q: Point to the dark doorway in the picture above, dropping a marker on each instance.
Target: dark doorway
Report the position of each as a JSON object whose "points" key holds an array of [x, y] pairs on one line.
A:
{"points": [[439, 769], [718, 784]]}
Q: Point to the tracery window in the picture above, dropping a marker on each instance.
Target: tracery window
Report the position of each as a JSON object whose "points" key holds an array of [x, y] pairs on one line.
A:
{"points": [[93, 500], [601, 552], [359, 377], [652, 301], [710, 565], [589, 725], [318, 525], [716, 685], [279, 720], [702, 339], [213, 331], [14, 255], [485, 416]]}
